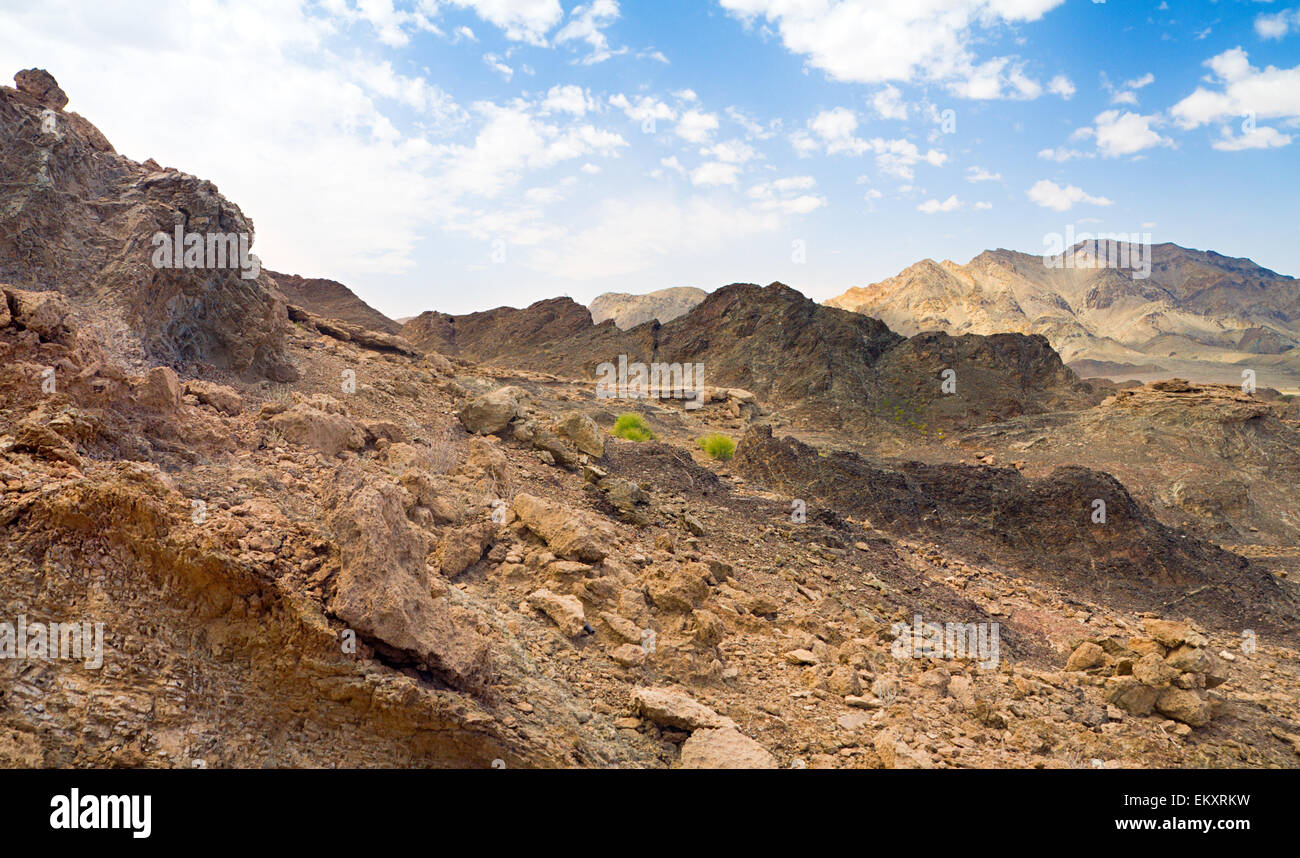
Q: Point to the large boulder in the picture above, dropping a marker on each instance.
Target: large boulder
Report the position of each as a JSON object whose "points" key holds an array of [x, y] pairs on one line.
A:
{"points": [[724, 748], [583, 432], [669, 708], [382, 589], [564, 530], [491, 413], [308, 426], [41, 85]]}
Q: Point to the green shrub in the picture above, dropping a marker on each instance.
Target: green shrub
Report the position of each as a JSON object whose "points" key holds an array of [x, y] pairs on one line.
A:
{"points": [[717, 446], [630, 427]]}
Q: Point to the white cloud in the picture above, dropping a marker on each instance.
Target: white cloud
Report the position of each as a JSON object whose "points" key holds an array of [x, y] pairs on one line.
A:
{"points": [[1126, 133], [1062, 86], [934, 206], [834, 131], [979, 174], [867, 41], [696, 126], [1061, 154], [731, 151], [983, 206], [1277, 25], [1260, 137], [495, 63], [713, 173], [521, 20], [645, 110], [787, 195], [586, 24], [568, 98], [1050, 195], [835, 128], [1245, 92], [888, 102]]}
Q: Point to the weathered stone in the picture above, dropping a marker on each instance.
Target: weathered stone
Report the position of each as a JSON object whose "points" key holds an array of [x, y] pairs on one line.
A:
{"points": [[583, 432], [669, 708], [491, 413], [724, 748], [565, 611], [1086, 656]]}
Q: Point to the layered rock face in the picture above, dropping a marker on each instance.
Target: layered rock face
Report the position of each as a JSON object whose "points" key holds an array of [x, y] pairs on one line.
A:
{"points": [[79, 218]]}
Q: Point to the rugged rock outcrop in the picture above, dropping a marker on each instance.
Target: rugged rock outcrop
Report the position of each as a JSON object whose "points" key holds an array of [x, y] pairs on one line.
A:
{"points": [[79, 218]]}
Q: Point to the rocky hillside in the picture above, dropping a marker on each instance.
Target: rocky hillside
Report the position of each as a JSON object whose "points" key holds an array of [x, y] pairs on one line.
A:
{"points": [[1197, 314], [333, 300], [80, 219], [388, 556], [825, 365], [628, 311]]}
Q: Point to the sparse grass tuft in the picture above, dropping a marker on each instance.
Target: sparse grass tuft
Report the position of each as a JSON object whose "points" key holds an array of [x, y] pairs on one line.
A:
{"points": [[630, 427], [718, 446]]}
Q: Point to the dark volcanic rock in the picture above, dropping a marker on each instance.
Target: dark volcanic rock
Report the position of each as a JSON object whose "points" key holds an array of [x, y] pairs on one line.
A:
{"points": [[1045, 528], [828, 366], [333, 300], [78, 218]]}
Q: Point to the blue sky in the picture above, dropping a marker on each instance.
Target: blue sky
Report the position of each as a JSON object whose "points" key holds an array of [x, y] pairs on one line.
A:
{"points": [[466, 154]]}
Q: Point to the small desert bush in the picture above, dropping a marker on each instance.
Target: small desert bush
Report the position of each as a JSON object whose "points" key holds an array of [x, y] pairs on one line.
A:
{"points": [[718, 446], [630, 427]]}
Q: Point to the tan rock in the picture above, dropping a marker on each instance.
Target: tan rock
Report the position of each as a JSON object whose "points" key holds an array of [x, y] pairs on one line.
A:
{"points": [[382, 588], [565, 611], [564, 529], [1086, 656], [224, 399], [491, 413], [669, 708], [724, 748], [330, 433], [1191, 706], [583, 432]]}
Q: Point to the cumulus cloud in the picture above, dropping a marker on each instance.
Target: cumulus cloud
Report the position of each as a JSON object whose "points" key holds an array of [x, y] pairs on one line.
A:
{"points": [[1124, 133], [934, 206], [1240, 91], [867, 41], [1050, 195], [586, 23], [696, 126]]}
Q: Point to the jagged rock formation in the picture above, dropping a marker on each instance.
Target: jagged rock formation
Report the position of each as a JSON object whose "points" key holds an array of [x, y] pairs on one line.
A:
{"points": [[78, 218], [629, 310], [332, 300], [1198, 314], [826, 364]]}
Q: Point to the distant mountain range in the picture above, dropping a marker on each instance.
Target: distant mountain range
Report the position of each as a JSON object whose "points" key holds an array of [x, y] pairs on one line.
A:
{"points": [[1197, 314]]}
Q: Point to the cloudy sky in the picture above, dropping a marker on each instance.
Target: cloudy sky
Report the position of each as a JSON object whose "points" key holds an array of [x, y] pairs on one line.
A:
{"points": [[466, 154]]}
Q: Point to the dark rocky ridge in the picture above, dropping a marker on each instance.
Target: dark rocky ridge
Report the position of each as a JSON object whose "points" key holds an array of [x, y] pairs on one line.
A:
{"points": [[77, 217], [1043, 527], [826, 364]]}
